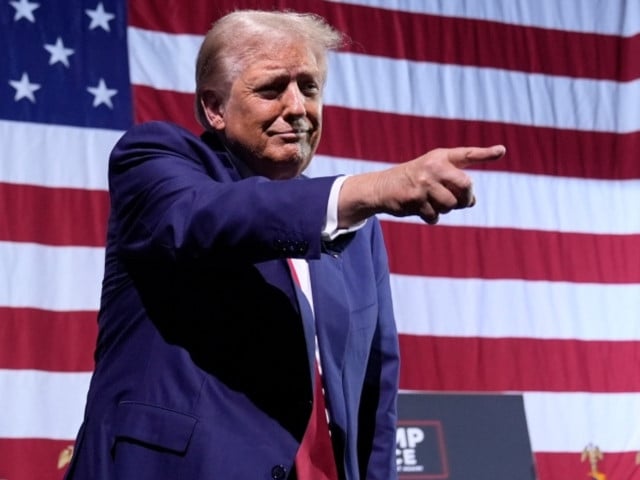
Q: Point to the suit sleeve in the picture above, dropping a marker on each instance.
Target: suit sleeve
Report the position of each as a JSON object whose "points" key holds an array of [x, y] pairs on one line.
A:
{"points": [[172, 198], [382, 380]]}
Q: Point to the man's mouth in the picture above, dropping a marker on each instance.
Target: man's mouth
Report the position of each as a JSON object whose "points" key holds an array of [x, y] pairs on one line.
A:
{"points": [[291, 134]]}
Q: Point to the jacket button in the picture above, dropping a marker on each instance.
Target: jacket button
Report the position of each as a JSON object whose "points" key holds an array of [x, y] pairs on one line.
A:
{"points": [[279, 472], [303, 247]]}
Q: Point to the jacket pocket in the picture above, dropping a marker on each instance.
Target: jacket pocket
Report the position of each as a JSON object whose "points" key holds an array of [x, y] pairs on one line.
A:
{"points": [[154, 426]]}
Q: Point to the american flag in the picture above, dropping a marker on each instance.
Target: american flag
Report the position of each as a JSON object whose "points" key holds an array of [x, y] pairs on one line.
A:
{"points": [[534, 290]]}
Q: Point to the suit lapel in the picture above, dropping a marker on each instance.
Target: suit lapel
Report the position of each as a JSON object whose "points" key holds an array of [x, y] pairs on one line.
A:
{"points": [[308, 321], [332, 320], [332, 308]]}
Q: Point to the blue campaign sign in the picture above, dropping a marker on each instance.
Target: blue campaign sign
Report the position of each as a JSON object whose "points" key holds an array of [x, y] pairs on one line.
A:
{"points": [[462, 437]]}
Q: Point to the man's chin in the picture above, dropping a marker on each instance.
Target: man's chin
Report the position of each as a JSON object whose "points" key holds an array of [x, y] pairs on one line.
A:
{"points": [[282, 168], [286, 169], [291, 159]]}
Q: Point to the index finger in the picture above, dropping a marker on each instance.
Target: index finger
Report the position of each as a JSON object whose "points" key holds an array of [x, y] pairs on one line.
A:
{"points": [[463, 157]]}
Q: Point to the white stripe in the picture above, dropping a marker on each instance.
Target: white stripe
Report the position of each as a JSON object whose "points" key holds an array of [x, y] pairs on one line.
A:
{"points": [[621, 17], [50, 278], [38, 404], [55, 156], [515, 308], [51, 404], [424, 89], [532, 202], [568, 422], [487, 94], [148, 54]]}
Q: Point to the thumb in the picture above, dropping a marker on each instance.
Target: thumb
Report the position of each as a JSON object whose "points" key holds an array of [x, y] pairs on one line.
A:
{"points": [[463, 157]]}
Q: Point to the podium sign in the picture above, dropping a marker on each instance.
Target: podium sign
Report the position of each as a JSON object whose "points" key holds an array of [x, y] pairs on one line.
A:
{"points": [[462, 437]]}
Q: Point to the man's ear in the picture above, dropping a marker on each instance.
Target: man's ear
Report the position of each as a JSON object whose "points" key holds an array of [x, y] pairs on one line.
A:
{"points": [[213, 110]]}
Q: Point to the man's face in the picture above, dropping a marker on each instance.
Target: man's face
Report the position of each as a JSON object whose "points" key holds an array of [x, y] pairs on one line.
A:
{"points": [[272, 118]]}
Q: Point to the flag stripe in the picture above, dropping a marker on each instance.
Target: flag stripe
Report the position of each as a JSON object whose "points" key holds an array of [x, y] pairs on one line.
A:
{"points": [[470, 252], [518, 309], [554, 466], [82, 218], [533, 150], [65, 394], [432, 34], [31, 458], [17, 461], [473, 93], [492, 44], [50, 277], [55, 156], [622, 18], [566, 422], [181, 105], [483, 94], [560, 429], [464, 364], [40, 339]]}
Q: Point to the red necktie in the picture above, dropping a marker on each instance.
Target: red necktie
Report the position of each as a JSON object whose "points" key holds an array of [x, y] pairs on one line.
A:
{"points": [[315, 459]]}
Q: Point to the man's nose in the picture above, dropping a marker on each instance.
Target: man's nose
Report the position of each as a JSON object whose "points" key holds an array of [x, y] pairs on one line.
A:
{"points": [[294, 101]]}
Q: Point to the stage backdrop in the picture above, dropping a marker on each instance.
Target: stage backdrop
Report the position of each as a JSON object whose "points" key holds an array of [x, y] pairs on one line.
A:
{"points": [[536, 290]]}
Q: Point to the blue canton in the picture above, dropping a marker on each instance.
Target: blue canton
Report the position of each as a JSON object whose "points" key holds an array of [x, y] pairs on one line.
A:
{"points": [[65, 62]]}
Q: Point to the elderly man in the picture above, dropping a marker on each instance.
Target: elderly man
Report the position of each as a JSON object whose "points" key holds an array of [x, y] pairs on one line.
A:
{"points": [[246, 328]]}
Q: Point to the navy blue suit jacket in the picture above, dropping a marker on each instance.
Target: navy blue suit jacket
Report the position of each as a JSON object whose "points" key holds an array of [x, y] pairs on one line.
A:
{"points": [[205, 345]]}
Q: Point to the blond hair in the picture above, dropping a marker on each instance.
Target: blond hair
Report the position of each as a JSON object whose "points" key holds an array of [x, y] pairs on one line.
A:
{"points": [[233, 39]]}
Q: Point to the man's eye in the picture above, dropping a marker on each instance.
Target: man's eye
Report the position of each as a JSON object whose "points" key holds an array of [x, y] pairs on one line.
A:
{"points": [[269, 92], [310, 88]]}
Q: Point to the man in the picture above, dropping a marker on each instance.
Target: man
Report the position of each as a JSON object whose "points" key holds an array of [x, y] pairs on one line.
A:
{"points": [[209, 339]]}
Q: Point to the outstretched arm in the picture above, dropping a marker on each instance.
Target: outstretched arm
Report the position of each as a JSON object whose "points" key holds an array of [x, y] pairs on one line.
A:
{"points": [[432, 184]]}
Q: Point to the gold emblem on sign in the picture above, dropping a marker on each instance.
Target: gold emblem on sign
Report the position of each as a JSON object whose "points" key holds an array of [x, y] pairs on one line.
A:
{"points": [[65, 457]]}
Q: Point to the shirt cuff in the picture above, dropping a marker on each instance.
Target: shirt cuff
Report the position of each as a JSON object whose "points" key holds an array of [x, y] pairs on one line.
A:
{"points": [[331, 231]]}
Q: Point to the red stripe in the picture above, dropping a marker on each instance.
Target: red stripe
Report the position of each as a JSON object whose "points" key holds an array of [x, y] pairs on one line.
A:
{"points": [[32, 458], [395, 138], [174, 107], [29, 458], [569, 466], [53, 216], [466, 252], [516, 364], [46, 340], [383, 32], [17, 461], [536, 150]]}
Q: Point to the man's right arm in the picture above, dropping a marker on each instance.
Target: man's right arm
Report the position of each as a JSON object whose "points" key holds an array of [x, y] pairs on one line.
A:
{"points": [[432, 184]]}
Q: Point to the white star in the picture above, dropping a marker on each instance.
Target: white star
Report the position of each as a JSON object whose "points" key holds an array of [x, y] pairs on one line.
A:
{"points": [[24, 88], [102, 94], [24, 9], [100, 18], [59, 53]]}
